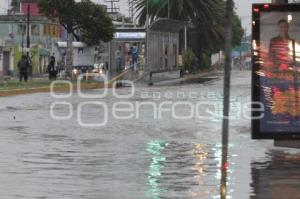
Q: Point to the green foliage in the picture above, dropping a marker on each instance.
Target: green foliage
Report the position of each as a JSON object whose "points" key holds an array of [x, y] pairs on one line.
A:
{"points": [[91, 20], [15, 4], [187, 10], [189, 58], [237, 30], [206, 61]]}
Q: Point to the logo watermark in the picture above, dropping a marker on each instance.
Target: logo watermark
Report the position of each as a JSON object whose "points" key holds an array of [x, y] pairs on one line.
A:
{"points": [[179, 105]]}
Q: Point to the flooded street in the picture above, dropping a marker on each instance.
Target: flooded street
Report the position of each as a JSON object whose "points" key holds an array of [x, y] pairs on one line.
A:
{"points": [[142, 157]]}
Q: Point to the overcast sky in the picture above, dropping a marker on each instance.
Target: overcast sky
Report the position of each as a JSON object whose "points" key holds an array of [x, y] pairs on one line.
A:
{"points": [[243, 8]]}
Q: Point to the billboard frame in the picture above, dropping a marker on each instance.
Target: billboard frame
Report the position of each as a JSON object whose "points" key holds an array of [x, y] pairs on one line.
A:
{"points": [[256, 86]]}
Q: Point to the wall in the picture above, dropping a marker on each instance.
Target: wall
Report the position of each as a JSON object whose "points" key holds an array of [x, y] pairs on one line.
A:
{"points": [[162, 55], [43, 34], [34, 9]]}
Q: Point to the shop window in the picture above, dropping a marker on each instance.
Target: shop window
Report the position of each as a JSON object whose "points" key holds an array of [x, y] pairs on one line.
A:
{"points": [[46, 30], [21, 29], [35, 30]]}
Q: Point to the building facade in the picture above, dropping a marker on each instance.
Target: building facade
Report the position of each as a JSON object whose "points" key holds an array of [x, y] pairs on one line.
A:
{"points": [[13, 31], [43, 34]]}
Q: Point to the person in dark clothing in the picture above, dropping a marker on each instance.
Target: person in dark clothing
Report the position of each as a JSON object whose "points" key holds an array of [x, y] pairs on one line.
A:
{"points": [[23, 66], [135, 56], [52, 69]]}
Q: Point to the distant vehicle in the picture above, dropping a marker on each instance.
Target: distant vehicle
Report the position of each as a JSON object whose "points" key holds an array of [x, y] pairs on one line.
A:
{"points": [[84, 58]]}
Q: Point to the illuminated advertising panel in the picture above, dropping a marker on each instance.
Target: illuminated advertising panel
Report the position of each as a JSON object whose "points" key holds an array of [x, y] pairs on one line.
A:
{"points": [[130, 35], [276, 71]]}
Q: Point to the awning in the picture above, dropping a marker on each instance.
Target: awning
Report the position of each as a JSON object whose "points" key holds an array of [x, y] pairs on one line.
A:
{"points": [[44, 52], [168, 25], [130, 35], [244, 47], [62, 44]]}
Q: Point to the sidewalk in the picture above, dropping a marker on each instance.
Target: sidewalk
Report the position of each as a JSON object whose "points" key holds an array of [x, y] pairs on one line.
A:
{"points": [[213, 74]]}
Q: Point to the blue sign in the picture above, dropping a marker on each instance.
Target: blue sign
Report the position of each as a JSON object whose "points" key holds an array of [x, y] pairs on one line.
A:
{"points": [[130, 35]]}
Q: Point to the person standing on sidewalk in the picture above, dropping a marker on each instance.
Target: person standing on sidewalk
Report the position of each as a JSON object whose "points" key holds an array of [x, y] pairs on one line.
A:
{"points": [[118, 58], [52, 69], [135, 56], [23, 66]]}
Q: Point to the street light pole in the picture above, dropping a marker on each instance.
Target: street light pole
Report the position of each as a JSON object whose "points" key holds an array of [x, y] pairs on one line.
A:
{"points": [[69, 51], [147, 35], [22, 35], [169, 9], [28, 38], [28, 27], [22, 42], [226, 102]]}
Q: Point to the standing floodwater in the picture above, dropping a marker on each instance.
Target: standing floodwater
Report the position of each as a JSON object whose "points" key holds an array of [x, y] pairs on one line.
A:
{"points": [[143, 158]]}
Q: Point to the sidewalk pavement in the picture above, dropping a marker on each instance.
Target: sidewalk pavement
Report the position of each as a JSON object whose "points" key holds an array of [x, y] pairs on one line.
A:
{"points": [[213, 74]]}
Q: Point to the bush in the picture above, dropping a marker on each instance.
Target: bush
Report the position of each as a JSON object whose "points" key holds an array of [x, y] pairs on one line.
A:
{"points": [[206, 61], [189, 60]]}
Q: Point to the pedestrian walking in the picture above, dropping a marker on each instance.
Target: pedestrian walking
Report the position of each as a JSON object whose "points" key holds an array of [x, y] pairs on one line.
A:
{"points": [[23, 66]]}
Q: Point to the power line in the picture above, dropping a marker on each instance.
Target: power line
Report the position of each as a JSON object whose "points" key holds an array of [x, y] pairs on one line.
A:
{"points": [[113, 8]]}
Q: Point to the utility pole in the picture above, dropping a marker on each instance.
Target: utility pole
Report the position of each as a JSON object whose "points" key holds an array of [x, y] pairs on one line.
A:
{"points": [[28, 27], [23, 33], [169, 9], [226, 102], [22, 42], [28, 38], [69, 51], [147, 35]]}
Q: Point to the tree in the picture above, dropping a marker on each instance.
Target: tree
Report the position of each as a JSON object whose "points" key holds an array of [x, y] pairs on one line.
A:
{"points": [[83, 20], [186, 10], [15, 4], [237, 30], [207, 17]]}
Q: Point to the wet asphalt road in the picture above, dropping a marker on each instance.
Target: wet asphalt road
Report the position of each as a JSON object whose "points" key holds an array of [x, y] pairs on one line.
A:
{"points": [[141, 157]]}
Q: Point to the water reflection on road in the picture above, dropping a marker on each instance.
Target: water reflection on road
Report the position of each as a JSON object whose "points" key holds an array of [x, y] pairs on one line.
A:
{"points": [[182, 171], [277, 176]]}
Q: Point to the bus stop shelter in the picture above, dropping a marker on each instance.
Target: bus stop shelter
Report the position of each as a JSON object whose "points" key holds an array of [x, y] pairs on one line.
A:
{"points": [[163, 44], [158, 47]]}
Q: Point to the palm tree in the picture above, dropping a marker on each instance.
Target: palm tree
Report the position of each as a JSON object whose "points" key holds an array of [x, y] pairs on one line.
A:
{"points": [[207, 16], [180, 9]]}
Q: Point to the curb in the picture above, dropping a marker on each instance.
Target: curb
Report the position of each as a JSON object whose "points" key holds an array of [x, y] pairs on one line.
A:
{"points": [[85, 86]]}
